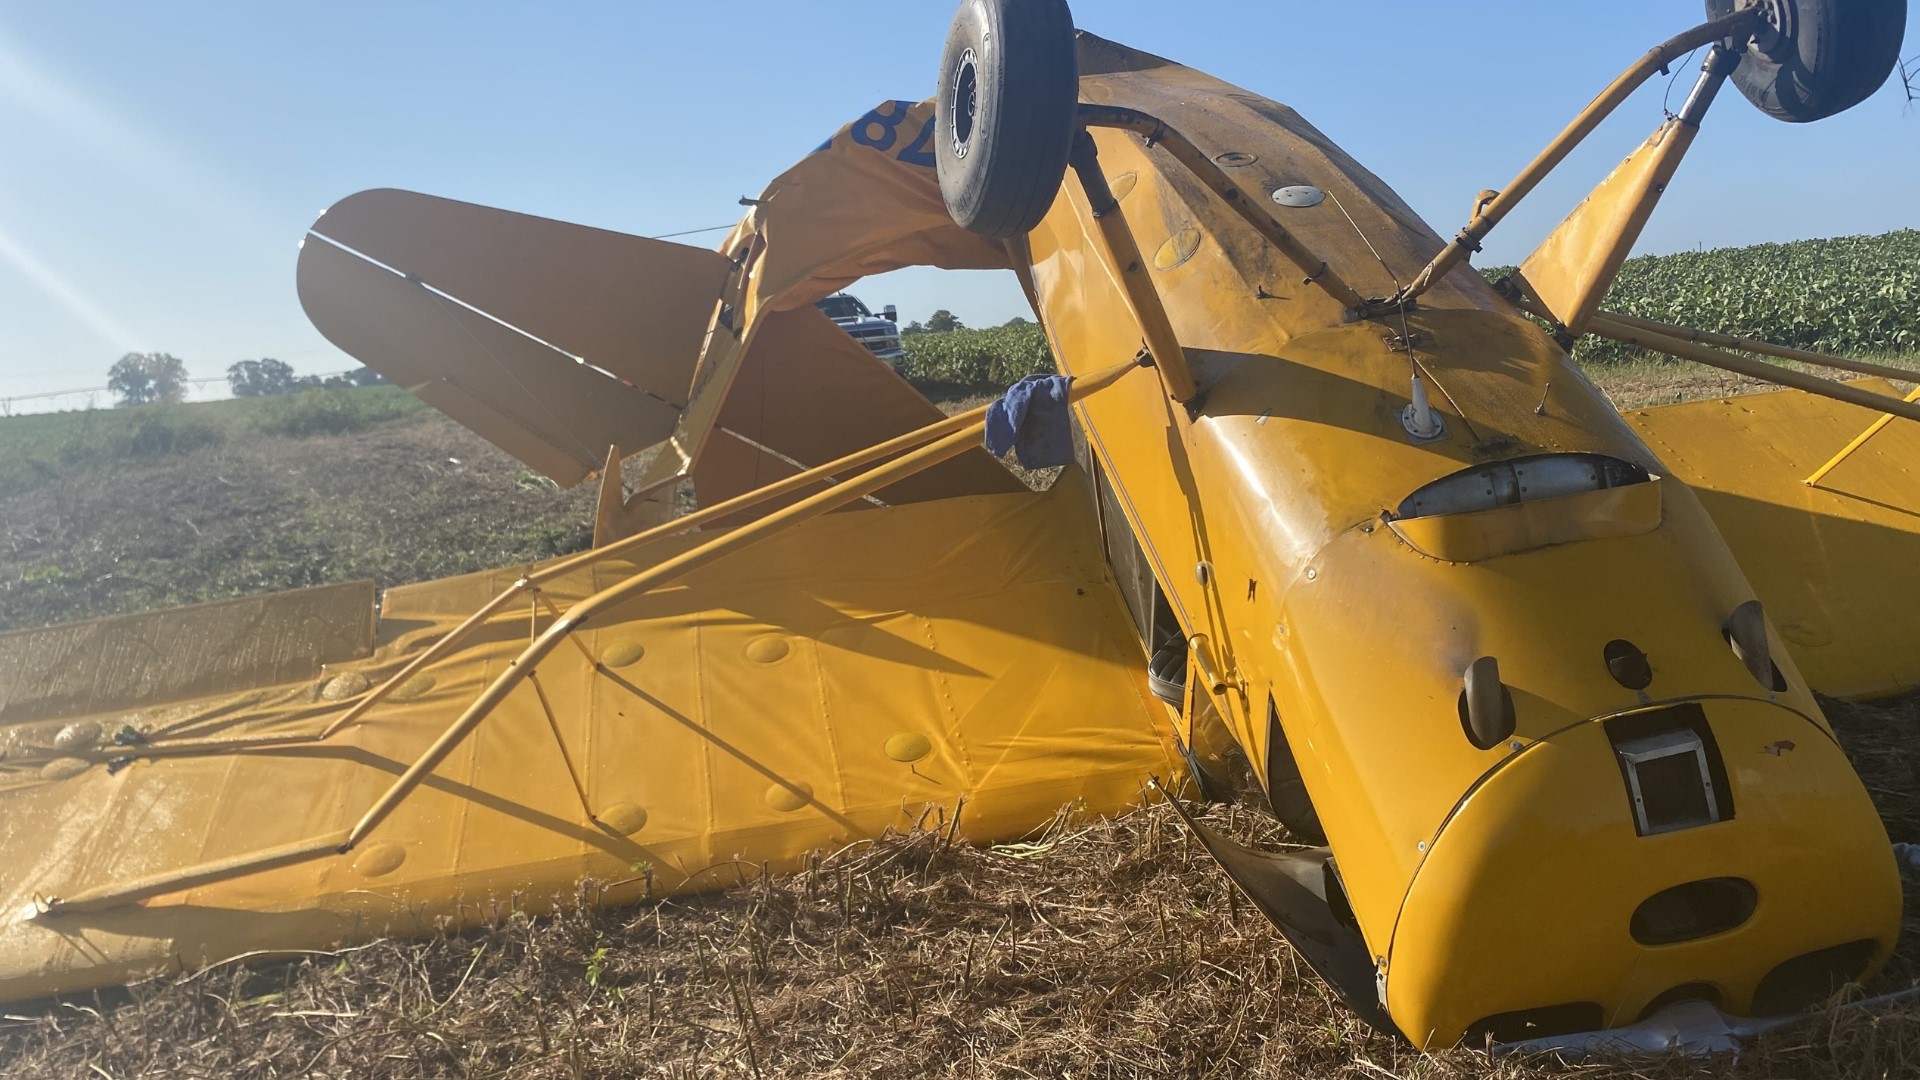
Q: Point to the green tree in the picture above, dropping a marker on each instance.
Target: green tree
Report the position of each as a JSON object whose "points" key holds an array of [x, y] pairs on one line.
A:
{"points": [[140, 378], [329, 382], [260, 378], [943, 321], [913, 328]]}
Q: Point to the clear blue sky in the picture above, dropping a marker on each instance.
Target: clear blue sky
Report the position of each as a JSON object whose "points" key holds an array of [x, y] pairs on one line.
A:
{"points": [[159, 161]]}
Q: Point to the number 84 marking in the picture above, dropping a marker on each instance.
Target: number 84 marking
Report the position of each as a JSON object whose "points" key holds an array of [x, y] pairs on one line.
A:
{"points": [[881, 131]]}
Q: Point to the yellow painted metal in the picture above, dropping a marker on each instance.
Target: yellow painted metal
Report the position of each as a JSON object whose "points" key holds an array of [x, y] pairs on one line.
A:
{"points": [[1829, 562], [1571, 271], [1489, 212], [1319, 602], [864, 666], [1203, 662], [1509, 530], [747, 721], [122, 893], [1542, 843], [1156, 133], [1859, 441]]}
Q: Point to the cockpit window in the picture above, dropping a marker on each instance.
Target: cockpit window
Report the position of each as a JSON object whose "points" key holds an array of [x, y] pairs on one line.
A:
{"points": [[844, 307]]}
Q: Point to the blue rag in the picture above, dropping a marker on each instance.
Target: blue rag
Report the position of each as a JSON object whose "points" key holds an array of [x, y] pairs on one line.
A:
{"points": [[1033, 421]]}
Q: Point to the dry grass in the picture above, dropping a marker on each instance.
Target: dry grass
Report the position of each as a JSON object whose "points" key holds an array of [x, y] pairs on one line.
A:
{"points": [[1103, 949], [1643, 383]]}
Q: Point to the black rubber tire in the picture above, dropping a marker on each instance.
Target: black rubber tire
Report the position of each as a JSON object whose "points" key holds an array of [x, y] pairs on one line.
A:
{"points": [[1009, 90], [1823, 57]]}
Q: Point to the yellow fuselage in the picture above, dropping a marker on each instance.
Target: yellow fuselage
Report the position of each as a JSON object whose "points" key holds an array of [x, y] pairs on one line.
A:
{"points": [[1485, 882]]}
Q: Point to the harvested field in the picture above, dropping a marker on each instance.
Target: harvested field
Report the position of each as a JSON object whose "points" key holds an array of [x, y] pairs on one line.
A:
{"points": [[94, 524], [1097, 949], [1101, 949]]}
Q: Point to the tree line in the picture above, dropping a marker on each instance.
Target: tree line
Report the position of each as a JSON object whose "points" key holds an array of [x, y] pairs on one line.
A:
{"points": [[946, 322], [146, 378]]}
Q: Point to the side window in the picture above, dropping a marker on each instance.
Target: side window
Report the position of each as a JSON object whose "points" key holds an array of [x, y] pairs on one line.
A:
{"points": [[1153, 618]]}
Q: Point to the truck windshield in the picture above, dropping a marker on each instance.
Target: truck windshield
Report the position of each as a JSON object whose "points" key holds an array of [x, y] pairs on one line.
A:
{"points": [[844, 307]]}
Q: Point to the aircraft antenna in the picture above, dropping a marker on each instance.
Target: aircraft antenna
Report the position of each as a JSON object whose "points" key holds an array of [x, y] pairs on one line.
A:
{"points": [[1421, 422]]}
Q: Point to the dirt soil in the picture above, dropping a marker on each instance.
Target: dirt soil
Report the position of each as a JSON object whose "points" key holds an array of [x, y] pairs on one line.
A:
{"points": [[407, 500]]}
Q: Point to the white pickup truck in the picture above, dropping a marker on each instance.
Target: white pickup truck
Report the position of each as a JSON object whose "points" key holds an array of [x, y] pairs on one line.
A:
{"points": [[879, 333]]}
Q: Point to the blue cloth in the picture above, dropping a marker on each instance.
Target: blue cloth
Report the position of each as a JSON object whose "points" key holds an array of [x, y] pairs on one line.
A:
{"points": [[1032, 420]]}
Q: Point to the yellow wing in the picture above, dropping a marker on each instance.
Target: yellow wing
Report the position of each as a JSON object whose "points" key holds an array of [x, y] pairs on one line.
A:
{"points": [[1831, 560], [856, 673]]}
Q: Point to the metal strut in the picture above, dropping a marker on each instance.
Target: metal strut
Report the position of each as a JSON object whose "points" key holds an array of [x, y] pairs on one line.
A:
{"points": [[829, 473], [936, 443], [1736, 26], [1685, 344], [1123, 257], [1859, 441], [1760, 369]]}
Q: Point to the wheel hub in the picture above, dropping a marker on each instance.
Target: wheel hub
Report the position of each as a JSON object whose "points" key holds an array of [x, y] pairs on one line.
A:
{"points": [[1779, 27], [963, 101]]}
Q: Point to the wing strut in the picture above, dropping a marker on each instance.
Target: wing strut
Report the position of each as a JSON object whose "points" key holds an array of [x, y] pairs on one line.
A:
{"points": [[1758, 369], [1489, 213], [933, 444], [1663, 338]]}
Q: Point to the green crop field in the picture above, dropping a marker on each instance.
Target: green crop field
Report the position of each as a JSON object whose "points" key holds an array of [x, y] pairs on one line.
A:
{"points": [[1854, 295], [972, 360]]}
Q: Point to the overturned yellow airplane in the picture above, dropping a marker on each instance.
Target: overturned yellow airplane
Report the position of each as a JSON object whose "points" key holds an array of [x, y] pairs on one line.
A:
{"points": [[1350, 537]]}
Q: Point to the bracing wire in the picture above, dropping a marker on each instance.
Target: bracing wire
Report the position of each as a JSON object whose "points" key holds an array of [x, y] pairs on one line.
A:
{"points": [[689, 232], [1666, 100], [1406, 332]]}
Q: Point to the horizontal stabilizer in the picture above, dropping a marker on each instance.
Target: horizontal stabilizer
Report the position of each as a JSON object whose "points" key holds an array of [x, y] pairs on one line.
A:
{"points": [[538, 404], [635, 307]]}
